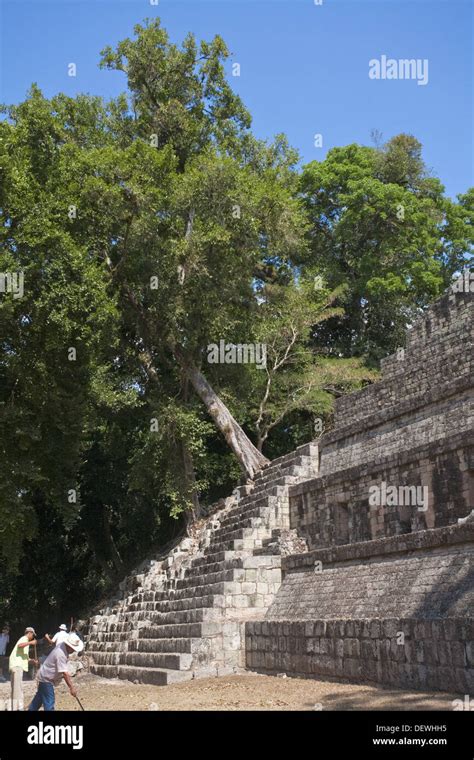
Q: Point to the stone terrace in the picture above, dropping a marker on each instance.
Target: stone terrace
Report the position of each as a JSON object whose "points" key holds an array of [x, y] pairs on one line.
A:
{"points": [[301, 572]]}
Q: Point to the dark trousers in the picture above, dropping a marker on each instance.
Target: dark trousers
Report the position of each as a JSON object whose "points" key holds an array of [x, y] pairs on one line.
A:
{"points": [[44, 696]]}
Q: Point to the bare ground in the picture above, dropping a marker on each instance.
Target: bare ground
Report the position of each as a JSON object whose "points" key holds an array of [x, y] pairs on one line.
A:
{"points": [[249, 691]]}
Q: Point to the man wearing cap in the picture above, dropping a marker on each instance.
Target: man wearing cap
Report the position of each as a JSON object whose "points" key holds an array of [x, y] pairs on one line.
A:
{"points": [[53, 670], [58, 637], [18, 664]]}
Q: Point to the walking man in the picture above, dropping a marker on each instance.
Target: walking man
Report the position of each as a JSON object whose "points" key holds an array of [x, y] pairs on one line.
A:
{"points": [[18, 664], [52, 671]]}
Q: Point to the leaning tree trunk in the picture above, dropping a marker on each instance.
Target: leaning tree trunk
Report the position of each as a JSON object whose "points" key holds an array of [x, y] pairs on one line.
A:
{"points": [[251, 460], [112, 549], [194, 512]]}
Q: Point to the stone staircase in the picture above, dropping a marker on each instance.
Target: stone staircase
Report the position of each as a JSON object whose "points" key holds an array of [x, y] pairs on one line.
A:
{"points": [[183, 616]]}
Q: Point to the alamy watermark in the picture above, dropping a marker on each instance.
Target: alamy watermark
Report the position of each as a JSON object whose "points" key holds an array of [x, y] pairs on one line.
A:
{"points": [[403, 68], [463, 704], [240, 353], [12, 282], [11, 705], [465, 283], [398, 496]]}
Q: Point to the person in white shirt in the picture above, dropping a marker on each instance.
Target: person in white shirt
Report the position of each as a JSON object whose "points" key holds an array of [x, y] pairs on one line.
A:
{"points": [[58, 637], [52, 671], [4, 639]]}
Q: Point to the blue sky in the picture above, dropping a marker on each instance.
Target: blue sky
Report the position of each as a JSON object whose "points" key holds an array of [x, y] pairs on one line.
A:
{"points": [[304, 67]]}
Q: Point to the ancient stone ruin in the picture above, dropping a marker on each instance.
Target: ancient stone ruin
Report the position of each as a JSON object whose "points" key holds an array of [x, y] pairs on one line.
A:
{"points": [[349, 558]]}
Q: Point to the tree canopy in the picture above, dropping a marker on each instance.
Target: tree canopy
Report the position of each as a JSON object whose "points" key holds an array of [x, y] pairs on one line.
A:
{"points": [[146, 229]]}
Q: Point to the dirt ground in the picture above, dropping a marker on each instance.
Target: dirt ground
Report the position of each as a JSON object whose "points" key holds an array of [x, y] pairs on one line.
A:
{"points": [[249, 691]]}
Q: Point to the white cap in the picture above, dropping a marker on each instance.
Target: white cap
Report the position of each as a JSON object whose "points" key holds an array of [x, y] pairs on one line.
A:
{"points": [[63, 627]]}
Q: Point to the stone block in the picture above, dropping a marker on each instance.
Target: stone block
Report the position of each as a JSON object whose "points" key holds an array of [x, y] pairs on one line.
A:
{"points": [[470, 653], [458, 654], [320, 628], [367, 649], [375, 629], [309, 628]]}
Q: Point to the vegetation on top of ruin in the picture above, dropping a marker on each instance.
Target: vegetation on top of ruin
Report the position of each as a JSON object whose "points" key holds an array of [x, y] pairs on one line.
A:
{"points": [[147, 228]]}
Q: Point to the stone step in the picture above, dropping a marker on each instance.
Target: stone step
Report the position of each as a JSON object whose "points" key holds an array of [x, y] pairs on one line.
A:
{"points": [[105, 637], [119, 627], [245, 490], [212, 556], [177, 594], [104, 658], [213, 567], [240, 534], [178, 605], [149, 618], [251, 519], [106, 671], [282, 481], [179, 631], [108, 646], [269, 550], [169, 661], [238, 519], [238, 544], [264, 507], [185, 616], [195, 583], [170, 632], [171, 621], [186, 603], [162, 645], [154, 676], [260, 498], [261, 531], [285, 463]]}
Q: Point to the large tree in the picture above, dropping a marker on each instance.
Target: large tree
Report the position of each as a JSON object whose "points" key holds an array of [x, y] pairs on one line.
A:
{"points": [[383, 227], [225, 213], [142, 228]]}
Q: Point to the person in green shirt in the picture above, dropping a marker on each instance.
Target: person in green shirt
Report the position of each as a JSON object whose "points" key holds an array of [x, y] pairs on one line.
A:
{"points": [[18, 664]]}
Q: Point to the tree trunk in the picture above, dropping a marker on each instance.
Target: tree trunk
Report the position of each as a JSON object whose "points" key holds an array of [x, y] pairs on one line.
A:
{"points": [[194, 513], [112, 549], [109, 573], [190, 484], [251, 460]]}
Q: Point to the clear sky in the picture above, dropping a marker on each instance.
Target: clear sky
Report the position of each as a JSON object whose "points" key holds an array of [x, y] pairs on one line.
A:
{"points": [[304, 67]]}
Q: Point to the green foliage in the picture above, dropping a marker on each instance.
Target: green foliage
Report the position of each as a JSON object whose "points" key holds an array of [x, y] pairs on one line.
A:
{"points": [[382, 227], [158, 221]]}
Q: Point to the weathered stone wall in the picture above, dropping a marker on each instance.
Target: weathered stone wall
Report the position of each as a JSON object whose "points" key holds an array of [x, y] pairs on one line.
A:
{"points": [[335, 509], [428, 654], [416, 426], [424, 396], [429, 574], [438, 356], [386, 591], [396, 610], [413, 428]]}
